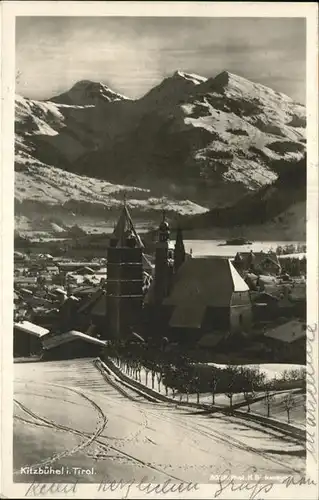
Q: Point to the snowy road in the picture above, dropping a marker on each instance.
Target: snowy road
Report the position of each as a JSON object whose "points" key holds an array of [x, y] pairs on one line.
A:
{"points": [[67, 416]]}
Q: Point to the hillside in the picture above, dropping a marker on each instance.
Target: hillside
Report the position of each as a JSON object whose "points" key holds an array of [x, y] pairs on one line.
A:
{"points": [[190, 144], [43, 193], [261, 206]]}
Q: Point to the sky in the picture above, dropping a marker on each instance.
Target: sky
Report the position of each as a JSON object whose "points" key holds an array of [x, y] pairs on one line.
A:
{"points": [[133, 54]]}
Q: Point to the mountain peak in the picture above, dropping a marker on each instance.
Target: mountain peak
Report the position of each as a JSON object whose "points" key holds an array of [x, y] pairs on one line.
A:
{"points": [[232, 83], [86, 92], [224, 77]]}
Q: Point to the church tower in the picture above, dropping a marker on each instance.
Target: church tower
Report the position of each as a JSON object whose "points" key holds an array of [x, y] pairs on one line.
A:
{"points": [[162, 264], [179, 252], [124, 284]]}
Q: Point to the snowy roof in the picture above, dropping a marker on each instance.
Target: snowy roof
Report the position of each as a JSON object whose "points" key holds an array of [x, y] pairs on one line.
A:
{"points": [[57, 340], [31, 328], [288, 332], [59, 291]]}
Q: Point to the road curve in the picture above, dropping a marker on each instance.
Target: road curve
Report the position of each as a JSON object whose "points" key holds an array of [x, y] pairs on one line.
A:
{"points": [[71, 422]]}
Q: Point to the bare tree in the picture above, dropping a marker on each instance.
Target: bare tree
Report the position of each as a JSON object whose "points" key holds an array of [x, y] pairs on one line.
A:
{"points": [[159, 376], [229, 393], [289, 403], [232, 379], [187, 392], [197, 388], [268, 397], [153, 377], [147, 371], [293, 374], [285, 375], [213, 387], [248, 392], [166, 389]]}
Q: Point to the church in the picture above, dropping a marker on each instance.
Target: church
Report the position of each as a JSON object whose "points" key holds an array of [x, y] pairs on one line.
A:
{"points": [[177, 296]]}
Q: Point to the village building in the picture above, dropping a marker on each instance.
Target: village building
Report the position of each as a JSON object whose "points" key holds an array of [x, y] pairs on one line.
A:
{"points": [[288, 341], [257, 262], [34, 340], [27, 339]]}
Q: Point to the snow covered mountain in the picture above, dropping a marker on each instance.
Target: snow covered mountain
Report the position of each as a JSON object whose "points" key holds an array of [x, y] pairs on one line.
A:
{"points": [[210, 141], [86, 92]]}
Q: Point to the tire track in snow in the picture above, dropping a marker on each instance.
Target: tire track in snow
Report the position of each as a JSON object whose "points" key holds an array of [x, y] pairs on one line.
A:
{"points": [[123, 455], [231, 441], [121, 441], [102, 421]]}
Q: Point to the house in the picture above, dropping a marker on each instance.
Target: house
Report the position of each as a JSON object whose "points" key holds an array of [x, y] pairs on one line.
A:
{"points": [[75, 266], [71, 344], [258, 262], [25, 281], [20, 257], [52, 269], [288, 341], [30, 339], [27, 339]]}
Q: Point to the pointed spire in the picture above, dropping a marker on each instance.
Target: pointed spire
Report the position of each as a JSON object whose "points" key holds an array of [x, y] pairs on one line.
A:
{"points": [[125, 229], [179, 252]]}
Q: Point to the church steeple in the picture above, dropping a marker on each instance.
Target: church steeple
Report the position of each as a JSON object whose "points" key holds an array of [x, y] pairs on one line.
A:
{"points": [[179, 252], [124, 277], [124, 233], [163, 230]]}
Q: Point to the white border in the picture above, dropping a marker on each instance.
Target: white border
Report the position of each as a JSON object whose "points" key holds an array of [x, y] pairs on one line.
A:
{"points": [[9, 10]]}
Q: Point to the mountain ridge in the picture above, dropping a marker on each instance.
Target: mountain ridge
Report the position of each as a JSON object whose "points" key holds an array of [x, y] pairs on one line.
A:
{"points": [[207, 140]]}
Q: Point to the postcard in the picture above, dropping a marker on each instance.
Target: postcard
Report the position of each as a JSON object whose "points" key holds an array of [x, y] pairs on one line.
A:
{"points": [[159, 252]]}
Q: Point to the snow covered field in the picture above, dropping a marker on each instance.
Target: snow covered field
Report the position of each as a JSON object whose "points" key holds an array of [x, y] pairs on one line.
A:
{"points": [[66, 413]]}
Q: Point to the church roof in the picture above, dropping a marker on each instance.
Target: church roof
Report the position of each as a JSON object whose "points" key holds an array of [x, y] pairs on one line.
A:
{"points": [[124, 225], [201, 283], [211, 279]]}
